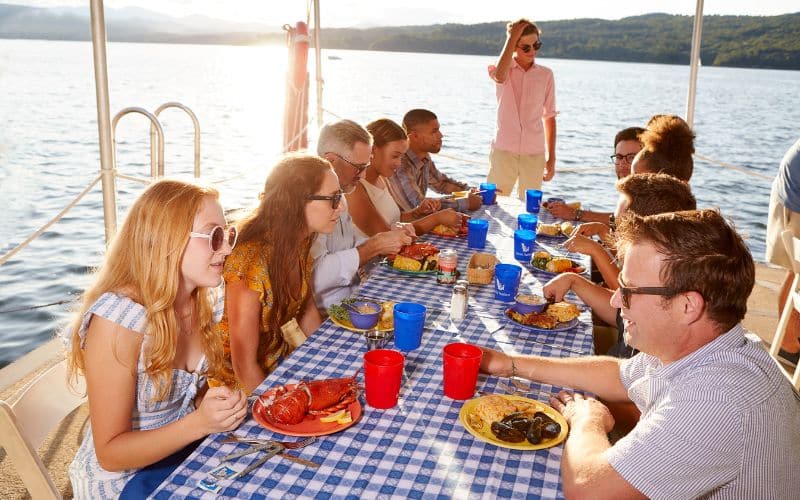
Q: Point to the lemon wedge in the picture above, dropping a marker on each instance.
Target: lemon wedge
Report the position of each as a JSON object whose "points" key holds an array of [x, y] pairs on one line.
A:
{"points": [[346, 419], [334, 417]]}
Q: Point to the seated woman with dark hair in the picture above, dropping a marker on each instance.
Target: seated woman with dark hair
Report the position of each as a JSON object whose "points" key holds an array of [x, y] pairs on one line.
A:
{"points": [[371, 205], [268, 275]]}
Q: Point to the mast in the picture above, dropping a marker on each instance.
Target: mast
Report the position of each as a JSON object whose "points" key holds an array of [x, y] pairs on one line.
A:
{"points": [[694, 62], [104, 118], [318, 56]]}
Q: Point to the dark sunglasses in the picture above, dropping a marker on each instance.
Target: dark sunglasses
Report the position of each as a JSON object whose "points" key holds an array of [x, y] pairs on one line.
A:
{"points": [[617, 158], [360, 167], [217, 236], [627, 291], [335, 199], [527, 48]]}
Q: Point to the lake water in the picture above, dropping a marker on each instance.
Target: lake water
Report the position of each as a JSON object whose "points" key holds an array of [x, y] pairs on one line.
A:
{"points": [[49, 151]]}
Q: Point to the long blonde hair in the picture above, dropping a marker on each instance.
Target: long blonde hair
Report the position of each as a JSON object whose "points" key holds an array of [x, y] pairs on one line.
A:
{"points": [[143, 263]]}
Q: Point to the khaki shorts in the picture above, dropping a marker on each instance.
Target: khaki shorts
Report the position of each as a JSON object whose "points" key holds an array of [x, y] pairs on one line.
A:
{"points": [[505, 168], [779, 220]]}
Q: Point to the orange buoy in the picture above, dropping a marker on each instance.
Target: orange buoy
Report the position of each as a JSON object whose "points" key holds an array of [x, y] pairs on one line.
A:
{"points": [[295, 113]]}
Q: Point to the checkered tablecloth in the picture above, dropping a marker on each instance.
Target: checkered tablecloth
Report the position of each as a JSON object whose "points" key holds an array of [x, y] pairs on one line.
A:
{"points": [[418, 449]]}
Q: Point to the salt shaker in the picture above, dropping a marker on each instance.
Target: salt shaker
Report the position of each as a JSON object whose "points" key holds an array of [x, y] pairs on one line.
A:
{"points": [[458, 303]]}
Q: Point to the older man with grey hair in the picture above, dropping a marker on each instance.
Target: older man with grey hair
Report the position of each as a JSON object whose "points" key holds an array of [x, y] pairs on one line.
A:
{"points": [[339, 256]]}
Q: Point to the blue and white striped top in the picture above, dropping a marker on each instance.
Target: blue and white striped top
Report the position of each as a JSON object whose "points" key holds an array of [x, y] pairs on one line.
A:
{"points": [[89, 479], [722, 422]]}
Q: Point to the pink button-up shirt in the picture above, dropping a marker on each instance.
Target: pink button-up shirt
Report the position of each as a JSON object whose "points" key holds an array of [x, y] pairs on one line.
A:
{"points": [[520, 129]]}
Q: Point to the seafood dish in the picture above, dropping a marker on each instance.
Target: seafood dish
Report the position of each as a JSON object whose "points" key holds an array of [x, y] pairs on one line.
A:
{"points": [[514, 422], [419, 257], [291, 404], [557, 316], [545, 262], [447, 231], [556, 229]]}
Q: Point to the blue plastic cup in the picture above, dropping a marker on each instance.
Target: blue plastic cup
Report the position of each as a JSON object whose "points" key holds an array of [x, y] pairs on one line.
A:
{"points": [[523, 244], [533, 200], [409, 320], [527, 221], [489, 192], [476, 233], [506, 281]]}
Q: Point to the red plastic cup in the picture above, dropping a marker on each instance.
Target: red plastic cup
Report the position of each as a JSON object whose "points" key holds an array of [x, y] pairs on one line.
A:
{"points": [[461, 365], [383, 371]]}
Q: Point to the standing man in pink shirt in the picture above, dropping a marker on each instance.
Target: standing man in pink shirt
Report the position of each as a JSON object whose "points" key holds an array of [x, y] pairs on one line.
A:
{"points": [[526, 114]]}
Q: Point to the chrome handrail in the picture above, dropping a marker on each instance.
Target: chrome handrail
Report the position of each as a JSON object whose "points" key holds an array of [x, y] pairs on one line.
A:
{"points": [[196, 123], [156, 136]]}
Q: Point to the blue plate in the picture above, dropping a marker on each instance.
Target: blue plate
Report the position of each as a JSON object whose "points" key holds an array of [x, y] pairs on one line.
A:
{"points": [[560, 327]]}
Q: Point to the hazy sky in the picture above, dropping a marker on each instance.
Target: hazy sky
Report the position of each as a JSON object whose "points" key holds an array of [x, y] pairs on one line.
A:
{"points": [[342, 13]]}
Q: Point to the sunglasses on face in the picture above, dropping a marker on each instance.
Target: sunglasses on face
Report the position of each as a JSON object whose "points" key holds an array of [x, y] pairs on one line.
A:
{"points": [[627, 291], [334, 199], [528, 47], [217, 236], [617, 158], [360, 167]]}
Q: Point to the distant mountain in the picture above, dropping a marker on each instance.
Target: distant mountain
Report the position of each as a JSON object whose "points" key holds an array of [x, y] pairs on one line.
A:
{"points": [[742, 41]]}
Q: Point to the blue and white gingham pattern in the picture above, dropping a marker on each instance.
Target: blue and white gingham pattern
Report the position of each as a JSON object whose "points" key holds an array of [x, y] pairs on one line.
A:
{"points": [[418, 449]]}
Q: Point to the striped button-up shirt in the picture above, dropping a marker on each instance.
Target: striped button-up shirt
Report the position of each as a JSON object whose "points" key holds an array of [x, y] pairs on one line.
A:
{"points": [[722, 422], [415, 175]]}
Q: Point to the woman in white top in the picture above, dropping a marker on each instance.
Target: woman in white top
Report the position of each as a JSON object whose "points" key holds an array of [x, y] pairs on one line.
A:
{"points": [[371, 205], [143, 337]]}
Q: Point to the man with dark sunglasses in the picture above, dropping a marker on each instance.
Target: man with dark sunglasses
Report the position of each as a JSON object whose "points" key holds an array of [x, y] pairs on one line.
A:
{"points": [[718, 418], [526, 114], [340, 255]]}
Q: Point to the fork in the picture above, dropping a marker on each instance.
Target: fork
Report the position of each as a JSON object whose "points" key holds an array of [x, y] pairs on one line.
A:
{"points": [[289, 445]]}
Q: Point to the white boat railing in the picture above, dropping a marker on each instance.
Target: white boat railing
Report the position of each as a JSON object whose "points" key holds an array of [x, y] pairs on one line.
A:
{"points": [[156, 140]]}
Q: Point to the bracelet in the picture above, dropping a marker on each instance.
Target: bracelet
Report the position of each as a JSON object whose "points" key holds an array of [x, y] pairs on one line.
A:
{"points": [[513, 368], [612, 223], [578, 214]]}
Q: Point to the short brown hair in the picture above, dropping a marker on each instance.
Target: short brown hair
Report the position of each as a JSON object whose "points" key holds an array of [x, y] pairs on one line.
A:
{"points": [[529, 29], [652, 194], [668, 146], [384, 131], [628, 134], [701, 252], [417, 117]]}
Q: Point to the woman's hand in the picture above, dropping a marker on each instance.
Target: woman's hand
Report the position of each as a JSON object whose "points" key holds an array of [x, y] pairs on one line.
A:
{"points": [[584, 245], [561, 210], [450, 218], [590, 229], [428, 206], [222, 409]]}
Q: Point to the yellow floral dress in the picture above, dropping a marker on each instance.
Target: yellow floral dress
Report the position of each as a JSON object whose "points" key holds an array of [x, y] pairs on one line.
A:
{"points": [[249, 262]]}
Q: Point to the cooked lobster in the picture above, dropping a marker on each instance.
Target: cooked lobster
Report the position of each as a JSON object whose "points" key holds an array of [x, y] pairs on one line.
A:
{"points": [[319, 397]]}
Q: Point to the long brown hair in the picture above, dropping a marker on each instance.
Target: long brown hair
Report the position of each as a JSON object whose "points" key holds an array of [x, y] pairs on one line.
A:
{"points": [[144, 264], [384, 131], [280, 220]]}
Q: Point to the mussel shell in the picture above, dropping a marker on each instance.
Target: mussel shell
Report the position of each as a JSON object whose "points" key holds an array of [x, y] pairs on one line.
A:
{"points": [[544, 416], [534, 434], [551, 430], [505, 432], [520, 421]]}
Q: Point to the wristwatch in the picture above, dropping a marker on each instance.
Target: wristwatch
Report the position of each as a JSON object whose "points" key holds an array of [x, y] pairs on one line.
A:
{"points": [[612, 223], [578, 214]]}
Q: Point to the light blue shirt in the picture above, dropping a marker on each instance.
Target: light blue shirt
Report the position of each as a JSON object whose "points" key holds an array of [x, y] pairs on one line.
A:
{"points": [[722, 422], [787, 182]]}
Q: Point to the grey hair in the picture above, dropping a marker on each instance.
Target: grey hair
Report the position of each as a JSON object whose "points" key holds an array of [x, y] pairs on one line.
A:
{"points": [[340, 137]]}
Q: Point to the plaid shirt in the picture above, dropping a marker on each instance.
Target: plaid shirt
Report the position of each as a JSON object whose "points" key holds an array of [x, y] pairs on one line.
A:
{"points": [[412, 180]]}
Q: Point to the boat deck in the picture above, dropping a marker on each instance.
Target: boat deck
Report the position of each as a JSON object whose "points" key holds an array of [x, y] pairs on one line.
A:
{"points": [[58, 449]]}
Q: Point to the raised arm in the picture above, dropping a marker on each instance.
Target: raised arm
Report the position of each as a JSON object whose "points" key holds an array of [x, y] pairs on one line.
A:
{"points": [[513, 33]]}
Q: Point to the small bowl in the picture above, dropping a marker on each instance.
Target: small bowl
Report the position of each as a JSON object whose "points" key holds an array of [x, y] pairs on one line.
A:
{"points": [[364, 320], [526, 303]]}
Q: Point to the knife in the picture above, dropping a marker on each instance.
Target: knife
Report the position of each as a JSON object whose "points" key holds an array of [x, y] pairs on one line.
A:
{"points": [[301, 461]]}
